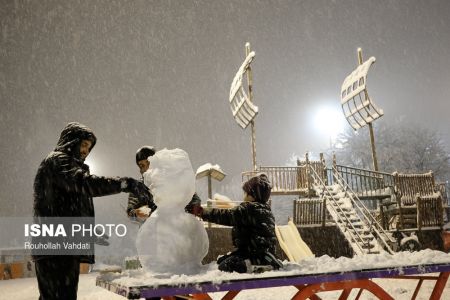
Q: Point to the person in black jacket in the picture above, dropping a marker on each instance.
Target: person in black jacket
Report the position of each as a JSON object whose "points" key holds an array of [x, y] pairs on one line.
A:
{"points": [[64, 187], [142, 155], [253, 231]]}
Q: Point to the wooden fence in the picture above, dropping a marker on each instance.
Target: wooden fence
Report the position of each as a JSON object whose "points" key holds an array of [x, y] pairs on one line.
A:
{"points": [[409, 186], [285, 180], [418, 194], [311, 212], [429, 212]]}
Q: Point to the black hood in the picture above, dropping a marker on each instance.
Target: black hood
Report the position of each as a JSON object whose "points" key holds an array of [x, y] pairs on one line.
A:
{"points": [[259, 187], [71, 137]]}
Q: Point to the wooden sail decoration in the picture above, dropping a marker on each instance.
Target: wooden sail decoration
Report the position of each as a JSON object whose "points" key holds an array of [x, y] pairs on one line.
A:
{"points": [[244, 111], [358, 108]]}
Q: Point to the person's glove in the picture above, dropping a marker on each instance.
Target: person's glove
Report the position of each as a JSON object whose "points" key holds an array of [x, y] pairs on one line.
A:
{"points": [[147, 198], [136, 187], [194, 209], [131, 185]]}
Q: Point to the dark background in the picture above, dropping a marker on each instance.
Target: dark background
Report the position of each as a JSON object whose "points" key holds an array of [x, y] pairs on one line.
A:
{"points": [[159, 73]]}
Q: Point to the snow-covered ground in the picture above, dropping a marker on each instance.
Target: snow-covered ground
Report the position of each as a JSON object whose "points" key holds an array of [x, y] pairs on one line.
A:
{"points": [[26, 289]]}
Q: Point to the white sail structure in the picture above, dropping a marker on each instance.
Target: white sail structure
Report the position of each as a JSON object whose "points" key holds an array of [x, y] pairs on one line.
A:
{"points": [[358, 108]]}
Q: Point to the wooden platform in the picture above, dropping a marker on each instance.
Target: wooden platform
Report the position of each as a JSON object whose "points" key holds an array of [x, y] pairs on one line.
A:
{"points": [[307, 284]]}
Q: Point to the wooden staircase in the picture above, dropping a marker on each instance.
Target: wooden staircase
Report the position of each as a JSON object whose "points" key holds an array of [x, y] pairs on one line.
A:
{"points": [[362, 230]]}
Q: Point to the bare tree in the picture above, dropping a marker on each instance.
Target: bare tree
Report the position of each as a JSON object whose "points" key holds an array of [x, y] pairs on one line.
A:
{"points": [[401, 146]]}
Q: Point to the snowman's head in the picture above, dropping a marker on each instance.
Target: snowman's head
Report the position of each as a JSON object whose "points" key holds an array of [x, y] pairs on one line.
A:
{"points": [[171, 179]]}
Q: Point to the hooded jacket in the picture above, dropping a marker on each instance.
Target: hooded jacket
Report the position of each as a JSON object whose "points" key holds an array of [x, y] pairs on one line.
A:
{"points": [[253, 231], [63, 186]]}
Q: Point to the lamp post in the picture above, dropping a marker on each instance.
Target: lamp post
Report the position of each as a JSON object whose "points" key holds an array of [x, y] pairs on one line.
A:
{"points": [[210, 171]]}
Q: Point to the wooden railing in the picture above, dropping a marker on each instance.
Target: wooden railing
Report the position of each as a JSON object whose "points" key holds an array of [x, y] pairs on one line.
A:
{"points": [[442, 188], [409, 186], [311, 212], [429, 212], [366, 183], [285, 180], [417, 193], [291, 180]]}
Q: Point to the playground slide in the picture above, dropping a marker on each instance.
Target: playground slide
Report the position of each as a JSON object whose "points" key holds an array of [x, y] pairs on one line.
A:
{"points": [[292, 243]]}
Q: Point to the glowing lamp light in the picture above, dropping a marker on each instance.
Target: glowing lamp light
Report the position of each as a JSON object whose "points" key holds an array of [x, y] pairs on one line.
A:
{"points": [[328, 121]]}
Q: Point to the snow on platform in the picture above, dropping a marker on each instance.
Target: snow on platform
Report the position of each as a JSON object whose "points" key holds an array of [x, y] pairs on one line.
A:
{"points": [[26, 289], [323, 264]]}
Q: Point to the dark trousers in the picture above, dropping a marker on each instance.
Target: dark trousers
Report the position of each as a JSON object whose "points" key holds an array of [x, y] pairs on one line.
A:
{"points": [[58, 277], [236, 261], [232, 263]]}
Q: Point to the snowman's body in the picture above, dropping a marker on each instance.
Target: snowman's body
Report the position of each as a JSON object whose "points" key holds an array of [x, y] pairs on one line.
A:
{"points": [[171, 240]]}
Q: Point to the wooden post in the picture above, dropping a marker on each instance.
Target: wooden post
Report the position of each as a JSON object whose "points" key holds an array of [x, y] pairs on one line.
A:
{"points": [[295, 211], [398, 198], [440, 208], [382, 216], [250, 95], [324, 169], [209, 192], [299, 178], [372, 138], [334, 163], [209, 186], [308, 175], [324, 211], [419, 212]]}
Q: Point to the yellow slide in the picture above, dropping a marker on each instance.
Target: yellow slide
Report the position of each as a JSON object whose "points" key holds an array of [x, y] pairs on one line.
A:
{"points": [[291, 242]]}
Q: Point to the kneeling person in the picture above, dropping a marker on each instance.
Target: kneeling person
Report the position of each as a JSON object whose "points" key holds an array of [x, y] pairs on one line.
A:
{"points": [[253, 230]]}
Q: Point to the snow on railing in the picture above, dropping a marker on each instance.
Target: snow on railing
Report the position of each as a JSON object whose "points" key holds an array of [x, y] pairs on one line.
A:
{"points": [[368, 218], [367, 183], [341, 215]]}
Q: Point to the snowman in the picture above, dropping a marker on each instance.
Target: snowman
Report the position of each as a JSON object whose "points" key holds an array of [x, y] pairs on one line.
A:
{"points": [[171, 240]]}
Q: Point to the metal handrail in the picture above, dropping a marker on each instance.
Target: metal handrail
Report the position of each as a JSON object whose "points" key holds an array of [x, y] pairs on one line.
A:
{"points": [[364, 181], [318, 179], [364, 211]]}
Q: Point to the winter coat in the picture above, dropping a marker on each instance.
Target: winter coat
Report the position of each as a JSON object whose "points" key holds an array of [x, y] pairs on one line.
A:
{"points": [[253, 232], [63, 186]]}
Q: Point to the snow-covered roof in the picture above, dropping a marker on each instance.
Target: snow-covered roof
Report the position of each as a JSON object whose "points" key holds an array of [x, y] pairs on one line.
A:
{"points": [[215, 171]]}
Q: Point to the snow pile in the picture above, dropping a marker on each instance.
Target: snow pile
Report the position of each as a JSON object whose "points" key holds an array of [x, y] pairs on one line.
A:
{"points": [[221, 201], [323, 264], [171, 241], [345, 203], [220, 197]]}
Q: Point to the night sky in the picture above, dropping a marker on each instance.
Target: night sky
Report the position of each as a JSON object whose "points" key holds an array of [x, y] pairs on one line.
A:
{"points": [[159, 73]]}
